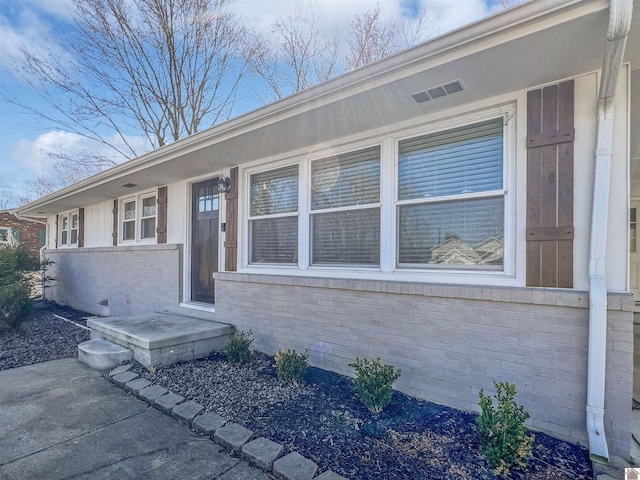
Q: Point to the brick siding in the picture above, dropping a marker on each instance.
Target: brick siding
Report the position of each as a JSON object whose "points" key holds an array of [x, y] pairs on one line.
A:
{"points": [[129, 280], [449, 341], [29, 232]]}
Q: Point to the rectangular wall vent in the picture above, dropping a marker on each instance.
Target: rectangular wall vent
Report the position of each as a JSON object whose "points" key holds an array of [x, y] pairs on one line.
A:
{"points": [[438, 92]]}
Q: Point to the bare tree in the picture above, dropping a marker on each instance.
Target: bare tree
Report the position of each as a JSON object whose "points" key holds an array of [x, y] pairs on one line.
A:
{"points": [[372, 38], [160, 69], [7, 200], [295, 56]]}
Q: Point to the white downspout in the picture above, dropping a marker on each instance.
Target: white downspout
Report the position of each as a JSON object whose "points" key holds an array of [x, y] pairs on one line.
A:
{"points": [[619, 25]]}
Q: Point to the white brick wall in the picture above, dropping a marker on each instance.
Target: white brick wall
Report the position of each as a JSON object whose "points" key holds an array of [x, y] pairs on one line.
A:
{"points": [[449, 341], [131, 280]]}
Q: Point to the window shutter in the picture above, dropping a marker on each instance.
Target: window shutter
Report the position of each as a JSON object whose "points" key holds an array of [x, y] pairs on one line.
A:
{"points": [[80, 227], [15, 232], [162, 215], [57, 233], [550, 136], [42, 236], [115, 223], [231, 238]]}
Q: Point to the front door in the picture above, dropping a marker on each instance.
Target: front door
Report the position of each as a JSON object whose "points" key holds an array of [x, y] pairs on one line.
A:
{"points": [[204, 240], [634, 252]]}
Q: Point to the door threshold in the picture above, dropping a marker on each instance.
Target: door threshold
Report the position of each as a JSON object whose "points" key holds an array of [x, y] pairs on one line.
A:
{"points": [[200, 306]]}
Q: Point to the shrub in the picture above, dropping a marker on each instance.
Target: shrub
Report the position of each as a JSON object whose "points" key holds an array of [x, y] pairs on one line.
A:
{"points": [[291, 366], [504, 440], [15, 305], [237, 348], [373, 383], [14, 290]]}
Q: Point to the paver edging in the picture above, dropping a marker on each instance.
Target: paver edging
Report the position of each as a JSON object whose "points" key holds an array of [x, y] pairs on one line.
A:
{"points": [[212, 418]]}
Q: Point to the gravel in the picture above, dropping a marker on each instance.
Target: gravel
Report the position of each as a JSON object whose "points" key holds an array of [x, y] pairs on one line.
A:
{"points": [[43, 337], [321, 419]]}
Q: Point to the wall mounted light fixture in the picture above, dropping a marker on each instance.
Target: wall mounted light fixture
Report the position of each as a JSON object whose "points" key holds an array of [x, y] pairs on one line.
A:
{"points": [[224, 183]]}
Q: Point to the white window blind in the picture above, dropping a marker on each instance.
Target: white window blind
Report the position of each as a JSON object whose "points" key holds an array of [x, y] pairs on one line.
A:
{"points": [[345, 230], [452, 231], [273, 222], [462, 160]]}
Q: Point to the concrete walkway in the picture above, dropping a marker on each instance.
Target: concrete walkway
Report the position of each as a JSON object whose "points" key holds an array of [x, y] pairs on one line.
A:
{"points": [[61, 420]]}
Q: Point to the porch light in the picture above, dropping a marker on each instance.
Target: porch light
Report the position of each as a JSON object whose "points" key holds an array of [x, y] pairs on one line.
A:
{"points": [[223, 184]]}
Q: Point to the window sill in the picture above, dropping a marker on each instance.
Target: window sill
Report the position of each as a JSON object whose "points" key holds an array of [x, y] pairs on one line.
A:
{"points": [[199, 306]]}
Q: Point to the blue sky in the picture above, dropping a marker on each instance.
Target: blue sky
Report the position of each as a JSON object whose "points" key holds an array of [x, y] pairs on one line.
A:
{"points": [[24, 142]]}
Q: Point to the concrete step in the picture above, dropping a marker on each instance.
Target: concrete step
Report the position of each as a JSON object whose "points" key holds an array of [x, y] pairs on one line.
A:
{"points": [[102, 354], [161, 338]]}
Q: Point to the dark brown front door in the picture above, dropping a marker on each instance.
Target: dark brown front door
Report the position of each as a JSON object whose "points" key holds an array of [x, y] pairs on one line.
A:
{"points": [[204, 240]]}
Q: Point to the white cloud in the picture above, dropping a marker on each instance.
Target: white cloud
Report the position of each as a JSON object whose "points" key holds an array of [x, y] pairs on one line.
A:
{"points": [[39, 156], [446, 14]]}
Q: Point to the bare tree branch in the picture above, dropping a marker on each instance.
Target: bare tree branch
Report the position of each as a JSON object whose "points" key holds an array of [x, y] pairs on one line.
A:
{"points": [[158, 69], [296, 56]]}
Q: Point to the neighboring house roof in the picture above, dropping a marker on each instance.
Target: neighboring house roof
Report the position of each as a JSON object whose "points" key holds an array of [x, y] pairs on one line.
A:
{"points": [[502, 53]]}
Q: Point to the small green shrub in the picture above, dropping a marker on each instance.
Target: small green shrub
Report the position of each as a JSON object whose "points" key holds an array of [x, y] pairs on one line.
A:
{"points": [[237, 348], [373, 383], [291, 366], [15, 305], [504, 440]]}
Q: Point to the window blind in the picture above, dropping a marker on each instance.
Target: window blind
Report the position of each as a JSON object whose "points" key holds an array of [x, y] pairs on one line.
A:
{"points": [[461, 160], [274, 240], [346, 180], [275, 191]]}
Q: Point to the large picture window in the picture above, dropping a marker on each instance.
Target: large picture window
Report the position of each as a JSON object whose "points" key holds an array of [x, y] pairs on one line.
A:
{"points": [[345, 209], [451, 197], [273, 216]]}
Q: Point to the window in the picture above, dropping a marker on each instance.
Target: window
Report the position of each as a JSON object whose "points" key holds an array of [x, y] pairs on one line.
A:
{"points": [[8, 236], [451, 198], [68, 229], [345, 209], [139, 218], [273, 216]]}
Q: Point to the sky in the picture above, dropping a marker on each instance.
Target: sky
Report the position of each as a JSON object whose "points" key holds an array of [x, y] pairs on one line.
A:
{"points": [[25, 141]]}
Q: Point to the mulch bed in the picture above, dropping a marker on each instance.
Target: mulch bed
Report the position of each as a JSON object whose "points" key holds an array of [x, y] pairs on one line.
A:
{"points": [[43, 337], [321, 419]]}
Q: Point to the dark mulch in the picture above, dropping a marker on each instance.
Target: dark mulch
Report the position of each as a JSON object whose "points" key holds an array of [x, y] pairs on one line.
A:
{"points": [[322, 420], [43, 337]]}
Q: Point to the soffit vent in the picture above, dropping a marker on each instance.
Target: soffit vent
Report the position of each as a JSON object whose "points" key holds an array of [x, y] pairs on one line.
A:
{"points": [[438, 92], [130, 185]]}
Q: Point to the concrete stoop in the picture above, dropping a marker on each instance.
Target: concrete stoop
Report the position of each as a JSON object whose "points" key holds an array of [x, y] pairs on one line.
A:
{"points": [[102, 354], [162, 338]]}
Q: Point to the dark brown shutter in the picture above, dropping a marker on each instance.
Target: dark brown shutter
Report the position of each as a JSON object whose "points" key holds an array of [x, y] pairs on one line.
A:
{"points": [[162, 215], [231, 238], [57, 232], [115, 223], [81, 227], [550, 135]]}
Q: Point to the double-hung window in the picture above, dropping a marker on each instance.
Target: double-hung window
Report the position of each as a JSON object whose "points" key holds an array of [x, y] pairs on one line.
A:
{"points": [[451, 198], [345, 209], [139, 218], [68, 227], [273, 216]]}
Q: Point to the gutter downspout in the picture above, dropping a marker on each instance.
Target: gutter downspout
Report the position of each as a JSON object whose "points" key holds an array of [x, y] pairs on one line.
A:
{"points": [[46, 240], [619, 25]]}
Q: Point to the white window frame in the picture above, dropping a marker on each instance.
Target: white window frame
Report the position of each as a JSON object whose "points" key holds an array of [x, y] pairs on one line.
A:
{"points": [[510, 110], [249, 218], [10, 241], [138, 219], [451, 198], [69, 230], [350, 208]]}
